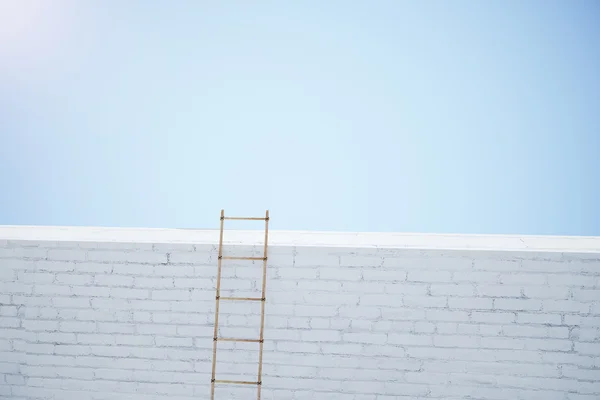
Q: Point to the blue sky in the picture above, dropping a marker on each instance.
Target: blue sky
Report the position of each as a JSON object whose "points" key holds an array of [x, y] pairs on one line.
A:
{"points": [[406, 116]]}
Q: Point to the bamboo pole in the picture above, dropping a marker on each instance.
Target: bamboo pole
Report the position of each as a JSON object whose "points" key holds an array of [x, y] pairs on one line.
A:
{"points": [[262, 313], [214, 363]]}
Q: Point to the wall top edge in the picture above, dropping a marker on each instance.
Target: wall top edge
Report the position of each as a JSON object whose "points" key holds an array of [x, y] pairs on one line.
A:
{"points": [[578, 244]]}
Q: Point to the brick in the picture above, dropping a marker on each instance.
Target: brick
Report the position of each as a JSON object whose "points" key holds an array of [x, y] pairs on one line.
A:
{"points": [[452, 290], [23, 253], [52, 290], [433, 263], [154, 283], [5, 345], [9, 322], [543, 292], [129, 293], [77, 326], [361, 261], [529, 318], [132, 269], [446, 315], [548, 344], [309, 260], [111, 304], [502, 343], [592, 349], [407, 339], [361, 312], [174, 271], [15, 287], [570, 280], [581, 373], [497, 265], [196, 258], [374, 338], [586, 295], [35, 277], [475, 277], [345, 348], [165, 341], [523, 279], [325, 286], [314, 311], [424, 301], [66, 255], [155, 329], [39, 325], [429, 276], [421, 327], [565, 306], [380, 299], [113, 280], [493, 317], [15, 380], [297, 347], [171, 295], [70, 302], [71, 279], [94, 268], [418, 289], [339, 323], [296, 273], [330, 299], [389, 276], [285, 334], [517, 304], [470, 303], [189, 283], [111, 327], [340, 274], [55, 266], [56, 337], [92, 338], [586, 334], [91, 291], [319, 335], [535, 331], [498, 291], [8, 311], [582, 320]]}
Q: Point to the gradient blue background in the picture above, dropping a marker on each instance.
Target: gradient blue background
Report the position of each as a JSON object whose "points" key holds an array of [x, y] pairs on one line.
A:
{"points": [[410, 116]]}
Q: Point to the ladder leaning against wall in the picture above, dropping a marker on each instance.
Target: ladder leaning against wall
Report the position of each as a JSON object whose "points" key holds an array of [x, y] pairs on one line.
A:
{"points": [[262, 299]]}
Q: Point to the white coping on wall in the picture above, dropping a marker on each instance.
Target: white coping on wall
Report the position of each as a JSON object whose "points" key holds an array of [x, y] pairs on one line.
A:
{"points": [[585, 244]]}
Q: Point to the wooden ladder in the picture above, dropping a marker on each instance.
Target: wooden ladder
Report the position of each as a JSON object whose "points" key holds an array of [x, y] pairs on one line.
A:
{"points": [[262, 299]]}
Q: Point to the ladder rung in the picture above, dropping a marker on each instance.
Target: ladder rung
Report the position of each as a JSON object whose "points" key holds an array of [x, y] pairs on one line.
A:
{"points": [[241, 298], [239, 382], [243, 258], [246, 218], [238, 340]]}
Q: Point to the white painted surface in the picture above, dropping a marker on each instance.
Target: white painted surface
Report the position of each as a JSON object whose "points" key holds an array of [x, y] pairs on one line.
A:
{"points": [[95, 313], [302, 238]]}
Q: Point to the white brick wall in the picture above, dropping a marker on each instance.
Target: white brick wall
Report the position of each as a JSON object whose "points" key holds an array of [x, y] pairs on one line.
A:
{"points": [[115, 320]]}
